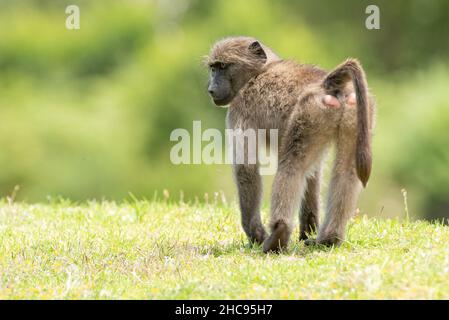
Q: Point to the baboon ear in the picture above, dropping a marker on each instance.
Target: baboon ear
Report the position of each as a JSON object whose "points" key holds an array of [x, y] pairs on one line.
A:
{"points": [[256, 49]]}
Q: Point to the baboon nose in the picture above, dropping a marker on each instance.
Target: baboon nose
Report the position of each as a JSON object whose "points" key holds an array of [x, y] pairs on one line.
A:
{"points": [[212, 89]]}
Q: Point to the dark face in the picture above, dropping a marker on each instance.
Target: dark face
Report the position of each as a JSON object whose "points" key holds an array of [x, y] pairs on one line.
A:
{"points": [[220, 86], [226, 79]]}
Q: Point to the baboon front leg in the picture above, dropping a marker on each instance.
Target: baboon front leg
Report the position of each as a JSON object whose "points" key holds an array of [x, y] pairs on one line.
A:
{"points": [[344, 190], [309, 212], [249, 185], [288, 188]]}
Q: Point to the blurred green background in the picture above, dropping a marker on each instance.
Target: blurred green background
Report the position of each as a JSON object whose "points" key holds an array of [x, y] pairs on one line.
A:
{"points": [[88, 113]]}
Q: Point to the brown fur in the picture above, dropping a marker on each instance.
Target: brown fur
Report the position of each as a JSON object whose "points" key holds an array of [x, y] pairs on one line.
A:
{"points": [[284, 95]]}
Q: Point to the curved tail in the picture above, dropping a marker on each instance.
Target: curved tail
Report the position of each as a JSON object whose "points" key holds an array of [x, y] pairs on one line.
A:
{"points": [[334, 83]]}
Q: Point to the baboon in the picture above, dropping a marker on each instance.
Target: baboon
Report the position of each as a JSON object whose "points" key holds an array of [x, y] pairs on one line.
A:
{"points": [[264, 91]]}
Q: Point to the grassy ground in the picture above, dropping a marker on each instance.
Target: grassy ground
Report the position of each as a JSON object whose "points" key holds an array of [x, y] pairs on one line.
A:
{"points": [[155, 250]]}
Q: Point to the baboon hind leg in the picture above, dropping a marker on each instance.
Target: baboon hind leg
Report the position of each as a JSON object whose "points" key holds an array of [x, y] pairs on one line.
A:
{"points": [[249, 185], [309, 212], [289, 186], [344, 190]]}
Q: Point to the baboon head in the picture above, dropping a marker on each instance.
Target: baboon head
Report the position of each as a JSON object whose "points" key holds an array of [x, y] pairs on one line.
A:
{"points": [[232, 62]]}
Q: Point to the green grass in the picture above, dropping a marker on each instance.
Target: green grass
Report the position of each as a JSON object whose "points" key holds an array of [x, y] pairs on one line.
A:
{"points": [[158, 250]]}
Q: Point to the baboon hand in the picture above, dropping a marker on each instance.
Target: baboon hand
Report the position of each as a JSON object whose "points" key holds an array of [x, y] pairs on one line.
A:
{"points": [[257, 234]]}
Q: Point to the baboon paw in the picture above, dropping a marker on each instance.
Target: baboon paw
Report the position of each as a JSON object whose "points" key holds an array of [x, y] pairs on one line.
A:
{"points": [[257, 235], [303, 236], [258, 238], [310, 242], [254, 240], [329, 241], [308, 228], [278, 239], [272, 244]]}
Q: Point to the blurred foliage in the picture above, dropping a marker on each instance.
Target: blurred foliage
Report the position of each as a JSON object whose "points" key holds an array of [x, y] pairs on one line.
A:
{"points": [[88, 113]]}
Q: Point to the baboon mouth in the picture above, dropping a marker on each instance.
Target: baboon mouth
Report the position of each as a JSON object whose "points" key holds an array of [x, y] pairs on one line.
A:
{"points": [[221, 102]]}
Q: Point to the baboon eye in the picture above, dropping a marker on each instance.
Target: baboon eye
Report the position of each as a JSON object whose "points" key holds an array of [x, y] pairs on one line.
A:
{"points": [[219, 66]]}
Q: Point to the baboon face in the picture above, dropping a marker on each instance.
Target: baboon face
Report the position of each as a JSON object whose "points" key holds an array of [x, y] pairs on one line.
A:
{"points": [[232, 62], [220, 86]]}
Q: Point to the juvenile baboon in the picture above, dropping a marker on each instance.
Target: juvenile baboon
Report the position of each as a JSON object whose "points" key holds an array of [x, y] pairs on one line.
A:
{"points": [[266, 92]]}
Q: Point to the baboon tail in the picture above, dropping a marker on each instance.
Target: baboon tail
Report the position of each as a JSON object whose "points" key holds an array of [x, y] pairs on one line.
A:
{"points": [[334, 84]]}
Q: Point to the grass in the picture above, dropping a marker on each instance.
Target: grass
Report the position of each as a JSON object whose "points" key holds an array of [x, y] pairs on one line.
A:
{"points": [[158, 250]]}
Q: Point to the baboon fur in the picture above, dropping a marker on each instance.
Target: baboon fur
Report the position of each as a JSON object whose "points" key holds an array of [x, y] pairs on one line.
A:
{"points": [[266, 92]]}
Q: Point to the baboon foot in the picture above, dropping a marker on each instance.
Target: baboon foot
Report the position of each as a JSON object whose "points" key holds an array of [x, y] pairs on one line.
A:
{"points": [[310, 242], [307, 227], [329, 240], [257, 235], [303, 236], [278, 239]]}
